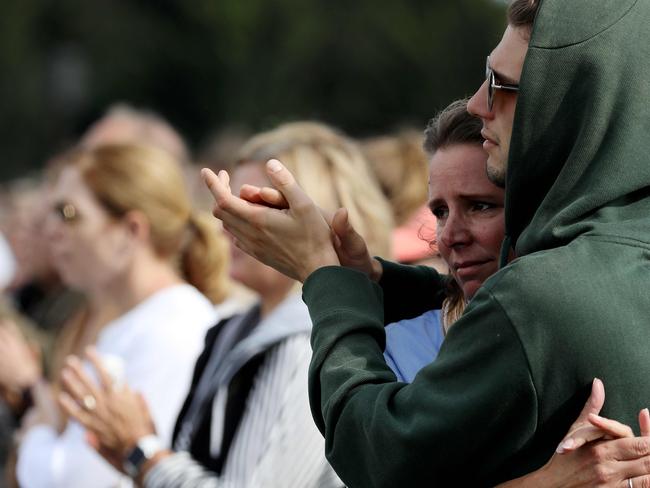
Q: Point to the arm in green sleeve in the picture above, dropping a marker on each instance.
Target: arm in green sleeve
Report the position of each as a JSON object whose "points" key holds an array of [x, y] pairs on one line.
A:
{"points": [[459, 422], [410, 291]]}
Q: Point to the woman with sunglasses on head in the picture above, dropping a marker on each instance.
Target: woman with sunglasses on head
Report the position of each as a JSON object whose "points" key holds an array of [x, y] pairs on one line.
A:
{"points": [[122, 231], [246, 421]]}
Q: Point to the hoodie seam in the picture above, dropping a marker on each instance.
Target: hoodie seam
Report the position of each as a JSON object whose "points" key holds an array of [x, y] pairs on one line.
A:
{"points": [[624, 241], [524, 353]]}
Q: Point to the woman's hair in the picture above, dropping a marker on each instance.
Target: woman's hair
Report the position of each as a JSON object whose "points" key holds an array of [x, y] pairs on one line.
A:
{"points": [[333, 171], [452, 126], [127, 177], [400, 165]]}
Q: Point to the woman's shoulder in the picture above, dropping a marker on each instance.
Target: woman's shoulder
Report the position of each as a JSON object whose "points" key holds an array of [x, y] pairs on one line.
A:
{"points": [[174, 313], [412, 344]]}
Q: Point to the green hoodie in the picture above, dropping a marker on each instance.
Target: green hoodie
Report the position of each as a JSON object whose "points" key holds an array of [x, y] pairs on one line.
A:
{"points": [[516, 369]]}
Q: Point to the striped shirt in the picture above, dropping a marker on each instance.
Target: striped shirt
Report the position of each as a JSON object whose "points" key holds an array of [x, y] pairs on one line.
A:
{"points": [[277, 443]]}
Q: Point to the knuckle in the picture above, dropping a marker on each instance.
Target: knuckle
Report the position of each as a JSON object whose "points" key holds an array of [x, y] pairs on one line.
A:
{"points": [[643, 482], [597, 453], [640, 447], [221, 202], [602, 474]]}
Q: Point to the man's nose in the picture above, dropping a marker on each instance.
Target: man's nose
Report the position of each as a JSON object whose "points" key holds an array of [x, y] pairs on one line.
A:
{"points": [[478, 104]]}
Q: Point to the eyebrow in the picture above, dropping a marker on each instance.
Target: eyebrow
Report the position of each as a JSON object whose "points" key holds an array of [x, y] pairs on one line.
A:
{"points": [[433, 203]]}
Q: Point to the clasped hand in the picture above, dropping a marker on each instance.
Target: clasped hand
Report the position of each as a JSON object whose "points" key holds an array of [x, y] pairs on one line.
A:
{"points": [[284, 228]]}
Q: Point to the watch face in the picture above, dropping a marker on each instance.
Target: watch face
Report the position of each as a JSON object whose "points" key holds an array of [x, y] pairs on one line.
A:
{"points": [[145, 449], [134, 461]]}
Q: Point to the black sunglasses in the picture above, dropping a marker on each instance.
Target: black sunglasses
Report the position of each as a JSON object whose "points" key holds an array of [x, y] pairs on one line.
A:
{"points": [[493, 85]]}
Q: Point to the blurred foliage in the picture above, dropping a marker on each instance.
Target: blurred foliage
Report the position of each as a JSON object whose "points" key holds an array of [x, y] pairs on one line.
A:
{"points": [[366, 66]]}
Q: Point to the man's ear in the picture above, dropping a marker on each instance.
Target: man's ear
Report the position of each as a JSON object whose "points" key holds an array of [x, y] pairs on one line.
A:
{"points": [[137, 225]]}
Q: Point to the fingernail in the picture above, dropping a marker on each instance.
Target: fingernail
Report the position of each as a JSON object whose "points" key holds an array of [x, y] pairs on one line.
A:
{"points": [[564, 445], [274, 165]]}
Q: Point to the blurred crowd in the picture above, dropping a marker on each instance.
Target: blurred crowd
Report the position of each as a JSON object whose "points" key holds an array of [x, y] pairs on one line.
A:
{"points": [[112, 247], [296, 308]]}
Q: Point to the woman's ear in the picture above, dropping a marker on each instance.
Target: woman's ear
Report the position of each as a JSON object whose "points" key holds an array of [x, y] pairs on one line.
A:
{"points": [[137, 225]]}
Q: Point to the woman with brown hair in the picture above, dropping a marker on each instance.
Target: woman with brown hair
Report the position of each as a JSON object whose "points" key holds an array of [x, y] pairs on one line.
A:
{"points": [[123, 232]]}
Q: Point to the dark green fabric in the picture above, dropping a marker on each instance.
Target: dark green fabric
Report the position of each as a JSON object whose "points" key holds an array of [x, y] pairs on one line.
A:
{"points": [[379, 432], [422, 284], [579, 153], [515, 370]]}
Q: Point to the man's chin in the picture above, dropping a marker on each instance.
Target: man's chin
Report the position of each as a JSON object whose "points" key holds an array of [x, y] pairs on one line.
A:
{"points": [[496, 172]]}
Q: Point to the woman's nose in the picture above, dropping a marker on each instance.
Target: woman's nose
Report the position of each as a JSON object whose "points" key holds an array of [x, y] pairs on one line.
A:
{"points": [[53, 227], [455, 231]]}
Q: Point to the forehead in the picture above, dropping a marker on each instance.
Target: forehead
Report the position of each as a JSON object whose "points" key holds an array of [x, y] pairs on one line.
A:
{"points": [[460, 170], [507, 58], [70, 187], [70, 183]]}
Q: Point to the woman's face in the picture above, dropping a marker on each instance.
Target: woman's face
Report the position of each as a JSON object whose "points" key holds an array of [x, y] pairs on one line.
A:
{"points": [[469, 210], [88, 247], [244, 268]]}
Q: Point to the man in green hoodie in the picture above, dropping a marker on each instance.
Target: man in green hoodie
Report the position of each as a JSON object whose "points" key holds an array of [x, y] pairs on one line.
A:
{"points": [[515, 370]]}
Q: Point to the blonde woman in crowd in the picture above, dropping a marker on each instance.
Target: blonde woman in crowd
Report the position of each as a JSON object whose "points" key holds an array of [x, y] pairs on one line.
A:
{"points": [[122, 231], [400, 164], [246, 421]]}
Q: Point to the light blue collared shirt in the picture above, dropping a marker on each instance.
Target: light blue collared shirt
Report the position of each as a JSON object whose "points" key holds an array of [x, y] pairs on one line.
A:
{"points": [[412, 344]]}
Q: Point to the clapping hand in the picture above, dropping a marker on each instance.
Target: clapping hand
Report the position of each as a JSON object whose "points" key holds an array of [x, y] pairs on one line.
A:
{"points": [[295, 240], [114, 416]]}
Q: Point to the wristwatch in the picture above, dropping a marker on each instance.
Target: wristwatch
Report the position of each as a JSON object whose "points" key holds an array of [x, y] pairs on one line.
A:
{"points": [[144, 449]]}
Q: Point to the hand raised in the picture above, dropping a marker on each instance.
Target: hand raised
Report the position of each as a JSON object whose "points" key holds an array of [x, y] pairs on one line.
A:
{"points": [[295, 240], [351, 248]]}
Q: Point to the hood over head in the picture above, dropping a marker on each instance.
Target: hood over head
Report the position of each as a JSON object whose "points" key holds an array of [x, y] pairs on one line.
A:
{"points": [[579, 159]]}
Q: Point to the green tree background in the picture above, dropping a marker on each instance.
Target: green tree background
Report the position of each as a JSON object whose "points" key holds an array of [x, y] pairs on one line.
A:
{"points": [[366, 66]]}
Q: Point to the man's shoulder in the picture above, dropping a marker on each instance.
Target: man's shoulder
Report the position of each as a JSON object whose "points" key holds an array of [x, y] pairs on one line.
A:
{"points": [[588, 284], [544, 274], [550, 288]]}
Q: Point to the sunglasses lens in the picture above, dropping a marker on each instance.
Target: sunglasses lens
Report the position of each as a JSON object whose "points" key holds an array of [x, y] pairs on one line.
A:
{"points": [[66, 212], [489, 77], [490, 93]]}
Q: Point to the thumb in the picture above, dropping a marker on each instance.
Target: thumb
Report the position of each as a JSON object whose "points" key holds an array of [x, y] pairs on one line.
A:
{"points": [[581, 431], [595, 401], [351, 241], [286, 184], [644, 422]]}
